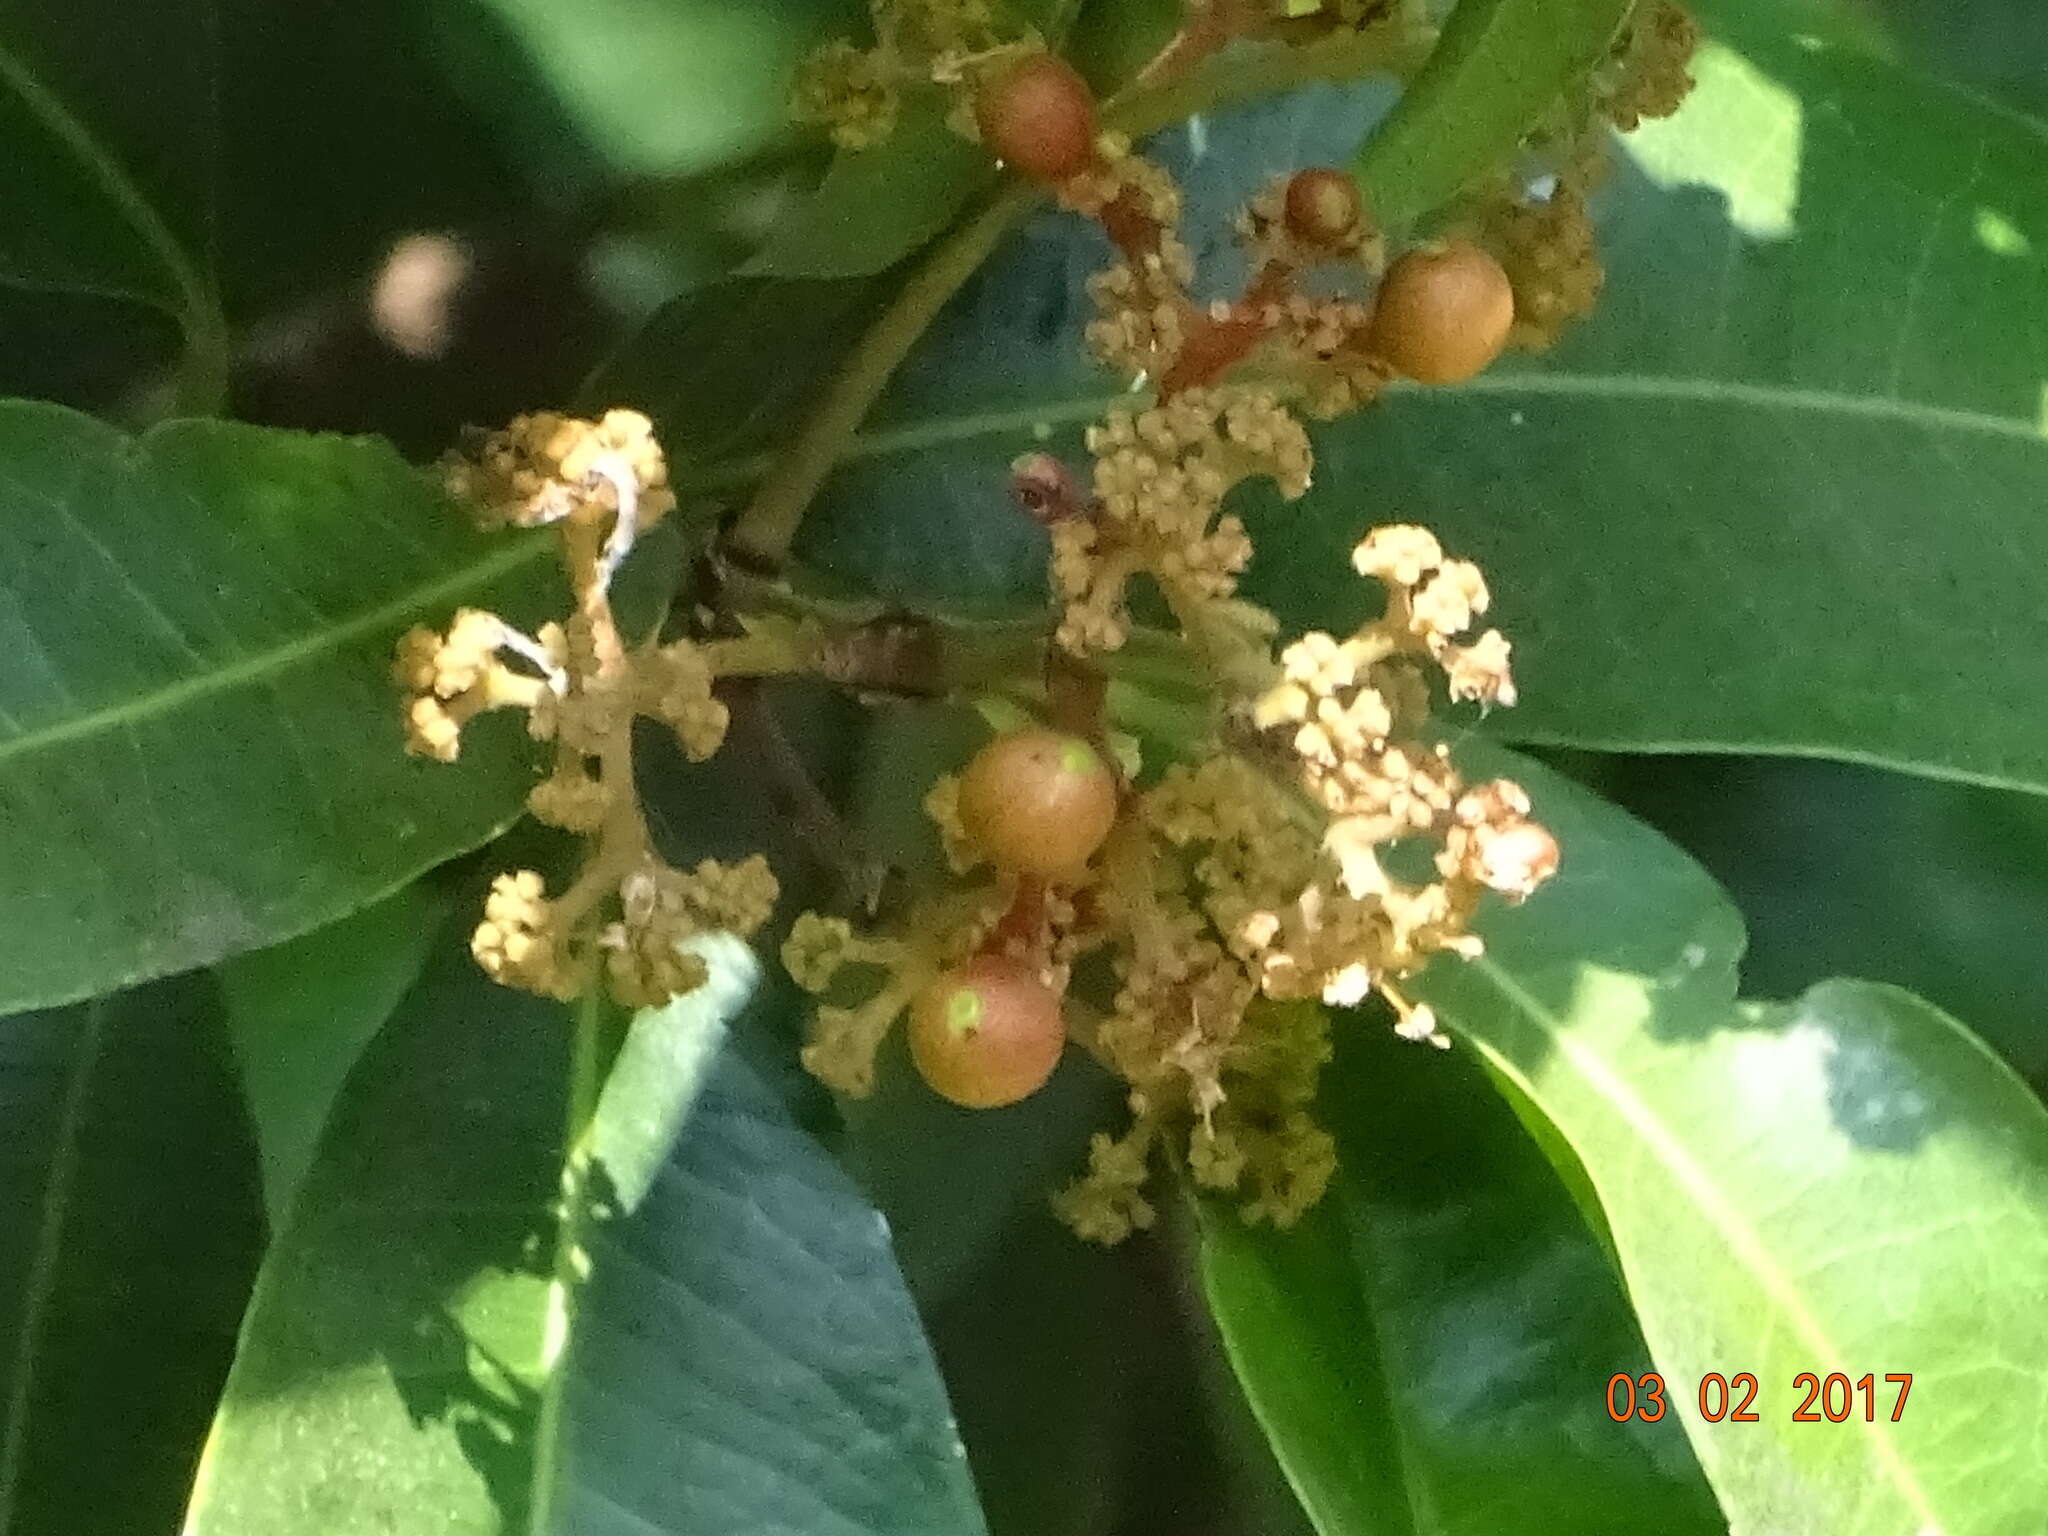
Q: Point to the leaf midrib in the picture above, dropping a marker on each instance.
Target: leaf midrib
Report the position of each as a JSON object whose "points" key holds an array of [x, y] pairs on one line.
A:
{"points": [[939, 431], [942, 431], [262, 666], [1743, 1241]]}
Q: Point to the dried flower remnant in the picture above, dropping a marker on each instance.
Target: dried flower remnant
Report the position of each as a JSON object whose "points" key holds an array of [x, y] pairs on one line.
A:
{"points": [[628, 917], [1537, 222], [1651, 72]]}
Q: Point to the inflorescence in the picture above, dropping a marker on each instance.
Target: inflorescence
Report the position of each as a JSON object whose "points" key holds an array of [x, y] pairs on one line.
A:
{"points": [[628, 915], [1309, 844]]}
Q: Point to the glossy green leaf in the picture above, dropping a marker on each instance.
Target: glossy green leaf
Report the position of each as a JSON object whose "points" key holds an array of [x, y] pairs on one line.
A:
{"points": [[130, 1227], [1848, 1184], [877, 205], [425, 1352], [299, 1014], [199, 742], [1798, 445], [747, 1353], [1499, 68], [671, 87], [1429, 1349]]}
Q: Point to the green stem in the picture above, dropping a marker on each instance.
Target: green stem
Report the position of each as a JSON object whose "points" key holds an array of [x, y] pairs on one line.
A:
{"points": [[767, 528], [572, 1257], [203, 373]]}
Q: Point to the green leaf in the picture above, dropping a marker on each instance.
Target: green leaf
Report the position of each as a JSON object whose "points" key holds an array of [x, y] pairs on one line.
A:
{"points": [[1796, 445], [199, 747], [1428, 1350], [1499, 68], [877, 205], [1846, 1184], [420, 1355], [670, 87], [1992, 45], [748, 1354], [130, 1231], [1938, 888], [724, 371], [299, 1014], [108, 127]]}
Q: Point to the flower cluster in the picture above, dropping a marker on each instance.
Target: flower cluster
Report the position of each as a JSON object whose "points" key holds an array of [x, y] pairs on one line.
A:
{"points": [[1253, 883], [1271, 873], [1237, 896], [628, 915], [1161, 476], [1309, 846]]}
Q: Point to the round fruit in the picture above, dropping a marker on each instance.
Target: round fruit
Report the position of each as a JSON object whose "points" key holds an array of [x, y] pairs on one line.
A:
{"points": [[1322, 207], [1039, 116], [987, 1034], [1037, 802], [1443, 313]]}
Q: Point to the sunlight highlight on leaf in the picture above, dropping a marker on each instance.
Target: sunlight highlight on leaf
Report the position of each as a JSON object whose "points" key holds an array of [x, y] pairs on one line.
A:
{"points": [[2000, 236], [1740, 133]]}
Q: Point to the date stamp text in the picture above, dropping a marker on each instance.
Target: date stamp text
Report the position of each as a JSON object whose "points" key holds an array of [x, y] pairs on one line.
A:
{"points": [[1830, 1399]]}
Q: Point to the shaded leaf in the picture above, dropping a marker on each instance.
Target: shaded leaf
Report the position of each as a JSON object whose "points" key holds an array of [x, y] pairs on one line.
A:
{"points": [[1428, 1350], [1844, 870], [877, 205], [108, 124], [726, 370], [747, 1357], [199, 747], [1499, 68], [129, 1232], [298, 1015], [420, 1357], [1850, 1183], [671, 87]]}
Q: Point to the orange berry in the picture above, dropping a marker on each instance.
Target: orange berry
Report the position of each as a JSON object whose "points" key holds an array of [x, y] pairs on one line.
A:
{"points": [[1443, 313], [1322, 207], [987, 1034], [1039, 117], [1038, 802]]}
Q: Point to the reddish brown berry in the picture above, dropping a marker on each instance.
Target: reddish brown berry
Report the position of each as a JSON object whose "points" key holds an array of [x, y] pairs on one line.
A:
{"points": [[1443, 313], [1323, 207], [1037, 802], [987, 1034], [1039, 117]]}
